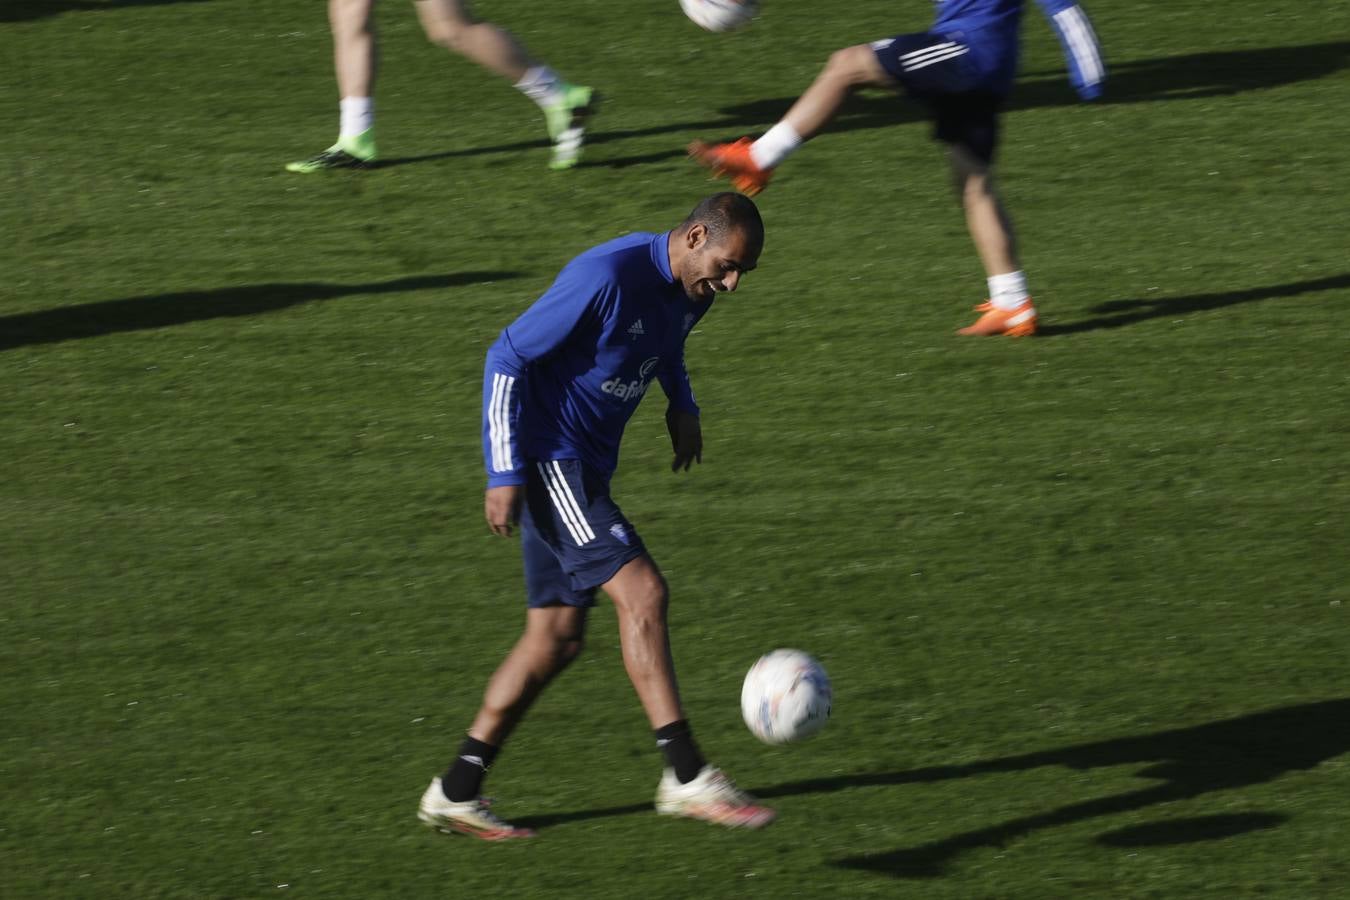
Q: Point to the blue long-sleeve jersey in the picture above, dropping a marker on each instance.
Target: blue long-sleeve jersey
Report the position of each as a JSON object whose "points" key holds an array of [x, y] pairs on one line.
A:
{"points": [[989, 28], [562, 381]]}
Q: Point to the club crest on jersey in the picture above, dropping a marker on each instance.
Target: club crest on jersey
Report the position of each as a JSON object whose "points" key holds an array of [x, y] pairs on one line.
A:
{"points": [[632, 390], [636, 329]]}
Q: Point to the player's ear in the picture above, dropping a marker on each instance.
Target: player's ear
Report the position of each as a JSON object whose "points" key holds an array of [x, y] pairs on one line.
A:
{"points": [[696, 236]]}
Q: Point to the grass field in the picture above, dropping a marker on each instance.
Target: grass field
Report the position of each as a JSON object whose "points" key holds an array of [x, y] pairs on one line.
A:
{"points": [[1083, 597]]}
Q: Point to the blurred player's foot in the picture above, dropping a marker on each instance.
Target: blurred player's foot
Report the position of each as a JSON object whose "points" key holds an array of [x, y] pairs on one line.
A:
{"points": [[567, 124], [1018, 322], [472, 817], [711, 797], [732, 161], [356, 152]]}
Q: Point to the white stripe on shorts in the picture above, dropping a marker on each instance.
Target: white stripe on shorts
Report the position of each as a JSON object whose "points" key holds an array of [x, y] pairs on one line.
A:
{"points": [[924, 51], [930, 60], [566, 504]]}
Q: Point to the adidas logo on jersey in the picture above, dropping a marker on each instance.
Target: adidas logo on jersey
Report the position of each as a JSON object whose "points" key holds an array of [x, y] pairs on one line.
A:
{"points": [[636, 329]]}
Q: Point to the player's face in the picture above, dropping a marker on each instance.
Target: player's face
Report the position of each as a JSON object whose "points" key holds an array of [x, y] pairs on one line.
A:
{"points": [[713, 268]]}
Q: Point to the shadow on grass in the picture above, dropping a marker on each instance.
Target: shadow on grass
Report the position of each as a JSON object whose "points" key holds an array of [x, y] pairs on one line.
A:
{"points": [[1118, 313], [1189, 762], [161, 310], [29, 10], [1189, 77]]}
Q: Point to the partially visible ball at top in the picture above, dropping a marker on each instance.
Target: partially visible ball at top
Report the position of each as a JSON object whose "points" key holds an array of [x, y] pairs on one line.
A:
{"points": [[720, 15]]}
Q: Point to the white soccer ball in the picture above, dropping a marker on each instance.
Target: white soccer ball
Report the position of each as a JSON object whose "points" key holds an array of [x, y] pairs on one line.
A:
{"points": [[720, 15], [786, 697]]}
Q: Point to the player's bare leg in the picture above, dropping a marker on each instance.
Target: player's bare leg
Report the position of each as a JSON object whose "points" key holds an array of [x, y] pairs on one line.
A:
{"points": [[641, 599], [450, 24], [749, 164], [1009, 310], [553, 637], [354, 46], [845, 72], [354, 60], [988, 222], [689, 787]]}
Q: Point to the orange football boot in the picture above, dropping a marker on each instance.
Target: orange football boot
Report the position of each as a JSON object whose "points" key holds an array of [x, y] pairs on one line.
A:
{"points": [[732, 161], [1018, 322]]}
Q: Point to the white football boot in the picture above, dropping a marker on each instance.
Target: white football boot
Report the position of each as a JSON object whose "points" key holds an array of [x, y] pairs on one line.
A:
{"points": [[471, 817], [711, 797]]}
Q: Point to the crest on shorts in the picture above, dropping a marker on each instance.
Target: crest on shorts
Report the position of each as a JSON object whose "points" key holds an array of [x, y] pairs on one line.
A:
{"points": [[619, 532]]}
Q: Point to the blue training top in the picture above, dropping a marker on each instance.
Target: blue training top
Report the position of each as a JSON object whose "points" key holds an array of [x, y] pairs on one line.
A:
{"points": [[562, 381], [989, 28]]}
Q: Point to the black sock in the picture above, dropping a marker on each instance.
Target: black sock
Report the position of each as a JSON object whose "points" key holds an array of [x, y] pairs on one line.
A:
{"points": [[676, 741], [464, 779]]}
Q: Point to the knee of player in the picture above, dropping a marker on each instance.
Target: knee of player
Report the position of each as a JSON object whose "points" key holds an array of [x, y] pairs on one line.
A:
{"points": [[450, 35], [649, 601], [849, 64]]}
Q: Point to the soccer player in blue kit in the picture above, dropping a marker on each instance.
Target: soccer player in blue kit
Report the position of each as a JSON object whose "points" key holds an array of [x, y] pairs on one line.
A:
{"points": [[560, 384], [962, 70]]}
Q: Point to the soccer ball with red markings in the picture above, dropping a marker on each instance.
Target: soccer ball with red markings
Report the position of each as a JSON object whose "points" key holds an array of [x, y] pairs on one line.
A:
{"points": [[720, 15], [786, 697]]}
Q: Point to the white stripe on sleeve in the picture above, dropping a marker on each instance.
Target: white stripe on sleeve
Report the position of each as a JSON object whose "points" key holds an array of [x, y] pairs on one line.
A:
{"points": [[499, 422], [1082, 43]]}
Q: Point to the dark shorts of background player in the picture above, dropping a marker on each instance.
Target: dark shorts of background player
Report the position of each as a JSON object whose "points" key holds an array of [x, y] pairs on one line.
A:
{"points": [[574, 537], [939, 72]]}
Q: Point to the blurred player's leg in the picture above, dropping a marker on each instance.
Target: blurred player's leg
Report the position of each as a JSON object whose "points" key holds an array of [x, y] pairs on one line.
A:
{"points": [[1009, 310], [689, 787], [354, 59], [566, 106], [553, 637], [749, 164], [452, 803]]}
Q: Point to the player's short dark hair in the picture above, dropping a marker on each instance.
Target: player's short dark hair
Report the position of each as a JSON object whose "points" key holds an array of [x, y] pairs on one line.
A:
{"points": [[726, 212]]}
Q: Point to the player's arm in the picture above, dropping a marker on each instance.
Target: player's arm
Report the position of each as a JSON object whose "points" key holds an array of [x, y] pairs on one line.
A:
{"points": [[539, 331], [686, 434], [1079, 41]]}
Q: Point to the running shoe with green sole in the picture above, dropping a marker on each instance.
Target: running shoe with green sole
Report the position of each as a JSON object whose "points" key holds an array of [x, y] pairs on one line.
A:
{"points": [[567, 124], [348, 153]]}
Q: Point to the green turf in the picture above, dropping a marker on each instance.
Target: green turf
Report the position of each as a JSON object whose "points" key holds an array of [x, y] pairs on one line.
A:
{"points": [[1082, 597]]}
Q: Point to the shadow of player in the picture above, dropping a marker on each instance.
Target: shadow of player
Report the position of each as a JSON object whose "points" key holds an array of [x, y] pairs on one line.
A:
{"points": [[85, 320], [30, 10], [1188, 762]]}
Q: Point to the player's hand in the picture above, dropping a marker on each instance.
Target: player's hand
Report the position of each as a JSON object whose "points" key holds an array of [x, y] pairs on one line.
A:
{"points": [[686, 437], [502, 505]]}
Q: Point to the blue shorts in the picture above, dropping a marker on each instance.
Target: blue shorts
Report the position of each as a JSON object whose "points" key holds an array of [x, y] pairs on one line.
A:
{"points": [[944, 75], [574, 537]]}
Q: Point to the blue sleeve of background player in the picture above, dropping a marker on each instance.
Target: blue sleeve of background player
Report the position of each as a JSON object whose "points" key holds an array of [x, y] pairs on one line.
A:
{"points": [[578, 291], [675, 379], [1079, 41]]}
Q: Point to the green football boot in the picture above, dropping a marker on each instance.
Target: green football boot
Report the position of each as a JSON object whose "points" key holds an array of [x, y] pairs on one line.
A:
{"points": [[567, 124], [348, 153]]}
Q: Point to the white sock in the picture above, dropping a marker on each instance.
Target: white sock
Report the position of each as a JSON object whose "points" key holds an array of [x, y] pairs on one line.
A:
{"points": [[358, 115], [1008, 291], [775, 146], [542, 85]]}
